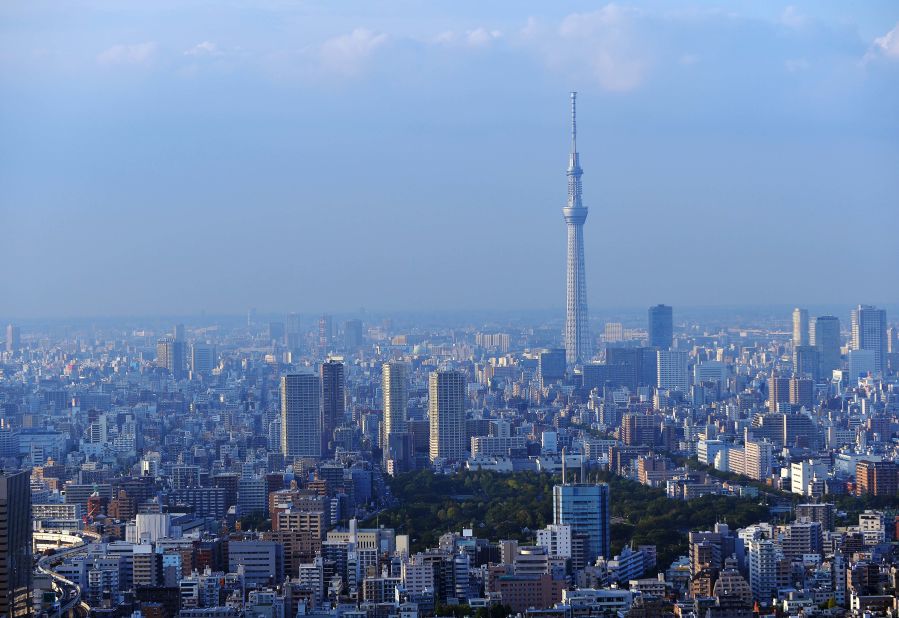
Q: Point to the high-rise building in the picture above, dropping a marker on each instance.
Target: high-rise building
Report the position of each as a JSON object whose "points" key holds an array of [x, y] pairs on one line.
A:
{"points": [[292, 331], [202, 357], [764, 556], [800, 326], [869, 332], [325, 331], [661, 327], [446, 408], [825, 336], [352, 335], [395, 441], [15, 544], [395, 387], [301, 427], [170, 356], [551, 366], [577, 336], [586, 510], [333, 395], [806, 361], [876, 478], [276, 332], [673, 370], [802, 392], [778, 391], [13, 338]]}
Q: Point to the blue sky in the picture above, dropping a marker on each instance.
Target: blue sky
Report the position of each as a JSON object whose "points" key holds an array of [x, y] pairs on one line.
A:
{"points": [[174, 157]]}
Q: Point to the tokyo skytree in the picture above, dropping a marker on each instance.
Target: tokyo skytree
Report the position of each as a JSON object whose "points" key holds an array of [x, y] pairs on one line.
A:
{"points": [[577, 337]]}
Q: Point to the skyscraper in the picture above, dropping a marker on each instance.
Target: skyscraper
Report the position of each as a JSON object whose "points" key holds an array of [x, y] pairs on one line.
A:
{"points": [[15, 544], [13, 338], [800, 326], [585, 508], [394, 384], [577, 335], [333, 381], [661, 327], [825, 336], [446, 408], [301, 426], [869, 332], [394, 437]]}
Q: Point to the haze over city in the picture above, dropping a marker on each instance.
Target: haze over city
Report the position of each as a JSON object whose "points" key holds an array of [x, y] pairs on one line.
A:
{"points": [[179, 157], [445, 309]]}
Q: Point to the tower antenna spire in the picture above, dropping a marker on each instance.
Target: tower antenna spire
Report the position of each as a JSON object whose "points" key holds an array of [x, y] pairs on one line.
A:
{"points": [[573, 121]]}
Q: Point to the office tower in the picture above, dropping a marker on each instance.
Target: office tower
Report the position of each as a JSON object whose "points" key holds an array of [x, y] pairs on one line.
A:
{"points": [[806, 361], [861, 363], [892, 341], [170, 356], [276, 331], [577, 335], [352, 335], [178, 333], [251, 316], [202, 357], [869, 332], [325, 331], [673, 370], [15, 544], [13, 338], [395, 386], [301, 427], [292, 331], [661, 327], [446, 408], [585, 509], [800, 326], [333, 382], [825, 337], [551, 366]]}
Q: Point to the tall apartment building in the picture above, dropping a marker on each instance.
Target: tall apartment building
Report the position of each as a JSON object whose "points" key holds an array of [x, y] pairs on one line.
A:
{"points": [[446, 408], [301, 428]]}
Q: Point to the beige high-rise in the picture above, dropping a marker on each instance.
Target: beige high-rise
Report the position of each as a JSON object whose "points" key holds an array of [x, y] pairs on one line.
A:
{"points": [[395, 385]]}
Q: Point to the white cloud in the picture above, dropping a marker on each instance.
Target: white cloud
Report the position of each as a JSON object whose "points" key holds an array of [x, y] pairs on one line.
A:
{"points": [[888, 44], [792, 18], [688, 59], [136, 54], [348, 53], [603, 44], [206, 48], [480, 37]]}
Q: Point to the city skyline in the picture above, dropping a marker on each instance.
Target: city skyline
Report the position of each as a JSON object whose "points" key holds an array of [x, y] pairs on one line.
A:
{"points": [[225, 188]]}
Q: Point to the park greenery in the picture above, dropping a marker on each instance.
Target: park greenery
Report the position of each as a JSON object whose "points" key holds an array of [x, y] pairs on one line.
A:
{"points": [[513, 506]]}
